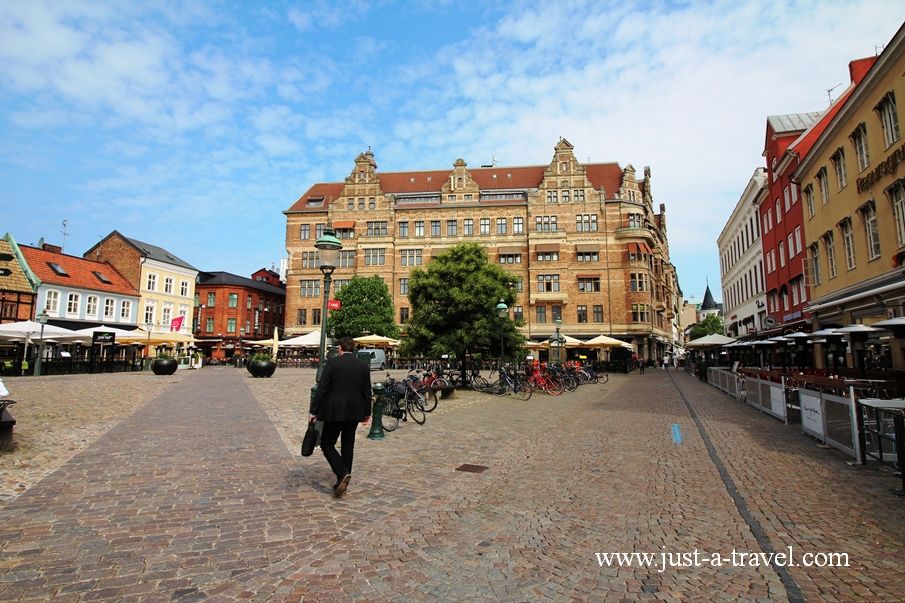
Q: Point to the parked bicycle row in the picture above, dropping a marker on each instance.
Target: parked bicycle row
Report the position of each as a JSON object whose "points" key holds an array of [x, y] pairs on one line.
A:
{"points": [[523, 380]]}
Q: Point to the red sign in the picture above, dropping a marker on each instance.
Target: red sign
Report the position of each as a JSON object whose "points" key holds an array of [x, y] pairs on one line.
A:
{"points": [[176, 323], [334, 304]]}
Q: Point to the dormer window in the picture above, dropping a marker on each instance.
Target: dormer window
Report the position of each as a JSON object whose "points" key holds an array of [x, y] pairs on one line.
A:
{"points": [[315, 202], [102, 278], [57, 269]]}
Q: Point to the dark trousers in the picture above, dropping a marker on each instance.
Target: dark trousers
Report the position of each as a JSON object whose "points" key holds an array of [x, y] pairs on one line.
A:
{"points": [[340, 463]]}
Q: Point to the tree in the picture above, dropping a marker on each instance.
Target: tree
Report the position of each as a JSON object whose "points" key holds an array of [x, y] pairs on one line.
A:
{"points": [[453, 301], [710, 325], [366, 306]]}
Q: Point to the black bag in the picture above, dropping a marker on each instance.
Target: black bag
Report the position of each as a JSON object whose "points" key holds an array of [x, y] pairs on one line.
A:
{"points": [[312, 435]]}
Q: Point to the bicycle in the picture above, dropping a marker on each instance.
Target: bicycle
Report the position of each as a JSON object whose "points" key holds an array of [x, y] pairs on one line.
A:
{"points": [[509, 383], [400, 401]]}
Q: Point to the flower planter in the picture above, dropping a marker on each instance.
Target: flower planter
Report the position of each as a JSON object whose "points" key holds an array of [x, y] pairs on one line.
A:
{"points": [[262, 368], [164, 366]]}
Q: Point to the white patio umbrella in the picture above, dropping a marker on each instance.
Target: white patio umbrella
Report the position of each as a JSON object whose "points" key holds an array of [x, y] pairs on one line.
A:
{"points": [[604, 341], [378, 341], [29, 329]]}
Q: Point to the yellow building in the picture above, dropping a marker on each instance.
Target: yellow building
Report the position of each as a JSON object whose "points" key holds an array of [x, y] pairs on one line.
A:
{"points": [[853, 186], [583, 241]]}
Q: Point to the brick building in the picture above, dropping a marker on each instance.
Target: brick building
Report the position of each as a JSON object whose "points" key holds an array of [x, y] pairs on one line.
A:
{"points": [[232, 310], [583, 240], [17, 290]]}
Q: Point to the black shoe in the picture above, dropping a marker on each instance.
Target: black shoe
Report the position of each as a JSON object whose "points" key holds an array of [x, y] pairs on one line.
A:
{"points": [[340, 488]]}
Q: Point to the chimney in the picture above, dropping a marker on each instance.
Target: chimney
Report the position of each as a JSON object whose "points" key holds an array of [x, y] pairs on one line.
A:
{"points": [[51, 248]]}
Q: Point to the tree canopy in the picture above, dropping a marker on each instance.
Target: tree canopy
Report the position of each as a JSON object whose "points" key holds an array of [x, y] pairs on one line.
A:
{"points": [[453, 306], [366, 306], [711, 324]]}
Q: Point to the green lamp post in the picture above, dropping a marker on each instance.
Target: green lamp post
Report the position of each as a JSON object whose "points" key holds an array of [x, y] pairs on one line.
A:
{"points": [[502, 310], [43, 317], [328, 247]]}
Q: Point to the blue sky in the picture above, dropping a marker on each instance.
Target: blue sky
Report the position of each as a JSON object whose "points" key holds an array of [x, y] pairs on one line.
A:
{"points": [[194, 125]]}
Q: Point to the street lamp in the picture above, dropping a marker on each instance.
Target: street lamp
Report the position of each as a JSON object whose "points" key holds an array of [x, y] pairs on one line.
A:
{"points": [[558, 340], [241, 351], [42, 318], [502, 310], [148, 327], [328, 247]]}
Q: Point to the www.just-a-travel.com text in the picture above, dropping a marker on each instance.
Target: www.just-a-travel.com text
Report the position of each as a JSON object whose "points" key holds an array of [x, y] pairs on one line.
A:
{"points": [[671, 560]]}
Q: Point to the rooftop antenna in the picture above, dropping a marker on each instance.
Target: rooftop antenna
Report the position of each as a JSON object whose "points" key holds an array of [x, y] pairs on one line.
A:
{"points": [[65, 232], [829, 93], [879, 48]]}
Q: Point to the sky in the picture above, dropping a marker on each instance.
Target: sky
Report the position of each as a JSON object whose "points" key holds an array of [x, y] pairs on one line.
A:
{"points": [[193, 125]]}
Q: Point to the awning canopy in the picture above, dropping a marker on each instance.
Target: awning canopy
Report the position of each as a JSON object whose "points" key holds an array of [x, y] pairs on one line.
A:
{"points": [[344, 224]]}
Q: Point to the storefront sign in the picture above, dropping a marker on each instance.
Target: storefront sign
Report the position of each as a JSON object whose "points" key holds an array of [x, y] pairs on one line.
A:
{"points": [[791, 316], [103, 337], [886, 167], [811, 413]]}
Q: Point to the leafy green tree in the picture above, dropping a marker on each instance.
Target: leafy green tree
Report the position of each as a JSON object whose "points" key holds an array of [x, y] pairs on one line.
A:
{"points": [[453, 301], [711, 324], [366, 306]]}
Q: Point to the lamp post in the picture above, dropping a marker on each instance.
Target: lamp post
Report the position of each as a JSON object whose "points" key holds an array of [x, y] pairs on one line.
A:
{"points": [[241, 351], [328, 247], [502, 310], [558, 341], [42, 318], [148, 326]]}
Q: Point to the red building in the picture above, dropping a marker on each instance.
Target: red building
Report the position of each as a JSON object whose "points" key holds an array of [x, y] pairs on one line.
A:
{"points": [[789, 138], [231, 311]]}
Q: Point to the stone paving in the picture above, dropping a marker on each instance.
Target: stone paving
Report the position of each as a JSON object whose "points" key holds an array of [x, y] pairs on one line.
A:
{"points": [[197, 492]]}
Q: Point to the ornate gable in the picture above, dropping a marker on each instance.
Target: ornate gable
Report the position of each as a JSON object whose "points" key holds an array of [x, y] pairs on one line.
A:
{"points": [[365, 171], [460, 180]]}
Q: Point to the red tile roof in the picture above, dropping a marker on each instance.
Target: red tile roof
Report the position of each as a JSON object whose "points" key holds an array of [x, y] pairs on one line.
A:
{"points": [[80, 271], [607, 175]]}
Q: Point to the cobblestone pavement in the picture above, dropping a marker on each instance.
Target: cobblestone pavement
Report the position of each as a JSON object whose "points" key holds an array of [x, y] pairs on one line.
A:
{"points": [[200, 494]]}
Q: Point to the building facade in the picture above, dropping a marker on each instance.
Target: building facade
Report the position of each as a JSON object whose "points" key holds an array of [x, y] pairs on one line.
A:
{"points": [[232, 310], [165, 283], [853, 180], [583, 241], [17, 284], [78, 293], [741, 261]]}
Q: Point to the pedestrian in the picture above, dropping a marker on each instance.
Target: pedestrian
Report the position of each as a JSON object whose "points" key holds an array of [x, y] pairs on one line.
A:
{"points": [[641, 365], [675, 362], [665, 361], [342, 401]]}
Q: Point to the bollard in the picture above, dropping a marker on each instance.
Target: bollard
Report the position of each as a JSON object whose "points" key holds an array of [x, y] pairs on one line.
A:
{"points": [[376, 432]]}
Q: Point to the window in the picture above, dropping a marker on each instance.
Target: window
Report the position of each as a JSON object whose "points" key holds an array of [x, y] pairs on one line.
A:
{"points": [[309, 259], [125, 312], [640, 313], [91, 306], [452, 228], [782, 253], [635, 220], [598, 313], [778, 211], [838, 160], [209, 325], [518, 313], [403, 315], [897, 195], [859, 141], [347, 259], [304, 232], [372, 203], [109, 307], [101, 277], [149, 313], [72, 303], [435, 228], [556, 312], [403, 286], [419, 228], [519, 284], [468, 227], [823, 185], [319, 230], [233, 300], [848, 242], [889, 118], [361, 205], [791, 242], [168, 284], [541, 314], [787, 198], [485, 226], [302, 316], [518, 225], [345, 233], [547, 283], [211, 298], [587, 256], [316, 316], [375, 257], [551, 197], [501, 226], [767, 222], [815, 263], [166, 314], [581, 314], [545, 224], [248, 303], [58, 270], [809, 200], [403, 229], [510, 258], [152, 282], [410, 257], [339, 283], [230, 325], [578, 193], [798, 246], [184, 288], [547, 256], [589, 284], [310, 288], [377, 229], [638, 281], [830, 245], [586, 222]]}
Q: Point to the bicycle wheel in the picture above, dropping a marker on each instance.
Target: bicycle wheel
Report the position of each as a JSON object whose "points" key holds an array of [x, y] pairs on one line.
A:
{"points": [[603, 378], [570, 383], [414, 404], [523, 391], [439, 383], [499, 388], [390, 417], [430, 399], [553, 386], [480, 383]]}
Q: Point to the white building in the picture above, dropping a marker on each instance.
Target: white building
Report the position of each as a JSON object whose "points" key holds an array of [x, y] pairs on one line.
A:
{"points": [[741, 262]]}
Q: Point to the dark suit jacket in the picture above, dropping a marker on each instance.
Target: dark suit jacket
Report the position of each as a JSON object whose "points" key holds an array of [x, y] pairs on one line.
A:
{"points": [[344, 391]]}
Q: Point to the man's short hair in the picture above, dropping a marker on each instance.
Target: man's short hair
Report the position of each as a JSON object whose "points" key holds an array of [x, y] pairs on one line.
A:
{"points": [[347, 344]]}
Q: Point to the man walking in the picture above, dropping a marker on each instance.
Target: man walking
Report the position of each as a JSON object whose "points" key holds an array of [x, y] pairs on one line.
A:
{"points": [[342, 401]]}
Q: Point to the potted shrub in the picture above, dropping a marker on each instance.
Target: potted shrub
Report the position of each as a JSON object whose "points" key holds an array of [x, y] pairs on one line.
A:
{"points": [[164, 364], [261, 365]]}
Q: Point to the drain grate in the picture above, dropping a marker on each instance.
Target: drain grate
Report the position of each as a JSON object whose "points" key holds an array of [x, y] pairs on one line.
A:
{"points": [[472, 468]]}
